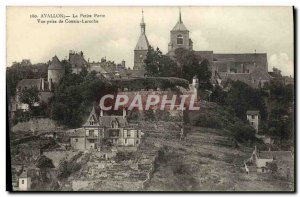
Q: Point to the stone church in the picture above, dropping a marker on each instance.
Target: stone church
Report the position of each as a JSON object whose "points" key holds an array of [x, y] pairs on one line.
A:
{"points": [[250, 68]]}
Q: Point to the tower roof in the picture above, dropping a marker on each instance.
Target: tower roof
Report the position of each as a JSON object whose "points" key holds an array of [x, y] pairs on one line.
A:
{"points": [[179, 25], [55, 64], [143, 43]]}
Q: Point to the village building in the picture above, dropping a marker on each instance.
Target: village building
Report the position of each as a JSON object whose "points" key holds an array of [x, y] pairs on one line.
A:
{"points": [[24, 181], [100, 131], [56, 71], [179, 38], [44, 94], [141, 48], [253, 118], [77, 61], [250, 68], [260, 162]]}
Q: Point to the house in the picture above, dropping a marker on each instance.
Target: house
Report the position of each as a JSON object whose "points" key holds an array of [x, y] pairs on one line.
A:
{"points": [[284, 161], [100, 131], [253, 118], [41, 85], [24, 181], [77, 61]]}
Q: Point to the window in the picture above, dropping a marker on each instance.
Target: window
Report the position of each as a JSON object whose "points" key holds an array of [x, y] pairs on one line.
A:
{"points": [[76, 140], [179, 39], [253, 116], [22, 181], [125, 141], [91, 133], [128, 133], [114, 125]]}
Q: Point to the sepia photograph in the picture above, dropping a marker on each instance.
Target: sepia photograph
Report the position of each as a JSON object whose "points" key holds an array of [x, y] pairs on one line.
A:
{"points": [[150, 99]]}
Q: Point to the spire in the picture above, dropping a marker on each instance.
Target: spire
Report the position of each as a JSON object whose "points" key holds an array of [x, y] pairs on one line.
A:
{"points": [[142, 16], [180, 21], [143, 43], [179, 25], [143, 25]]}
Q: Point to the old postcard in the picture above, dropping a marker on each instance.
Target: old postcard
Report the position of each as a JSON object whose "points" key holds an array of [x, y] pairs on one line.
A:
{"points": [[150, 99]]}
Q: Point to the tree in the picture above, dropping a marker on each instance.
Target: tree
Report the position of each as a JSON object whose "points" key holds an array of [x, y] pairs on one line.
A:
{"points": [[159, 65], [241, 97], [74, 95], [190, 65], [218, 95], [29, 96]]}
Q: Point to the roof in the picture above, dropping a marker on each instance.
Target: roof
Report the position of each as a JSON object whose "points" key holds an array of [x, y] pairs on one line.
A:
{"points": [[28, 83], [77, 60], [242, 57], [179, 26], [55, 64], [205, 55], [105, 120], [143, 43], [260, 73], [24, 174], [252, 112], [278, 155]]}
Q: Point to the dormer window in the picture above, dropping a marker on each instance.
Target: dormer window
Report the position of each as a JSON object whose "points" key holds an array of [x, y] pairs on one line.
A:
{"points": [[114, 125], [179, 39]]}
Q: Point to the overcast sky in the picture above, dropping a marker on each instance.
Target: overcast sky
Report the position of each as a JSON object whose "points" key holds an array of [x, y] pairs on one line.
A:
{"points": [[221, 29]]}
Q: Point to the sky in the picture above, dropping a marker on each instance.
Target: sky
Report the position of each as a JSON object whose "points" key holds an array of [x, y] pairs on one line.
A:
{"points": [[220, 29]]}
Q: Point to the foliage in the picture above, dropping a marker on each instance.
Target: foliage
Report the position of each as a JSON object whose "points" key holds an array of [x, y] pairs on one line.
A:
{"points": [[218, 95], [242, 132], [151, 83], [272, 167], [191, 65], [74, 95], [159, 65], [66, 168], [44, 162], [241, 97], [281, 114], [186, 65], [29, 96], [23, 70], [149, 115]]}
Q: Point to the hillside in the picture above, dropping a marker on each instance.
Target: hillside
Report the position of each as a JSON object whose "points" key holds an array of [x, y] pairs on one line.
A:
{"points": [[207, 159]]}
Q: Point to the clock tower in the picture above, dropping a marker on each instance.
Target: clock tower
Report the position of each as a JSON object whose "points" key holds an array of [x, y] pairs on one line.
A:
{"points": [[141, 48]]}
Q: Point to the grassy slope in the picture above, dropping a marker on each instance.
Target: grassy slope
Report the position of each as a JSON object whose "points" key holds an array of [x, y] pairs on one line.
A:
{"points": [[206, 160]]}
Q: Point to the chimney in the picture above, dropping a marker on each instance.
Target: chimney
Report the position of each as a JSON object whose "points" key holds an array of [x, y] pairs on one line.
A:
{"points": [[50, 85], [43, 84], [101, 112], [124, 113], [123, 63]]}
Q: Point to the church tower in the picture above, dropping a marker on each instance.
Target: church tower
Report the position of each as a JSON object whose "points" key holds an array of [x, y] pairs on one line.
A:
{"points": [[179, 37], [141, 48]]}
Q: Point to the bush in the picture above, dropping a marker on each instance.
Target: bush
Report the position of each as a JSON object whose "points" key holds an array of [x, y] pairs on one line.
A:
{"points": [[210, 122], [242, 132]]}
